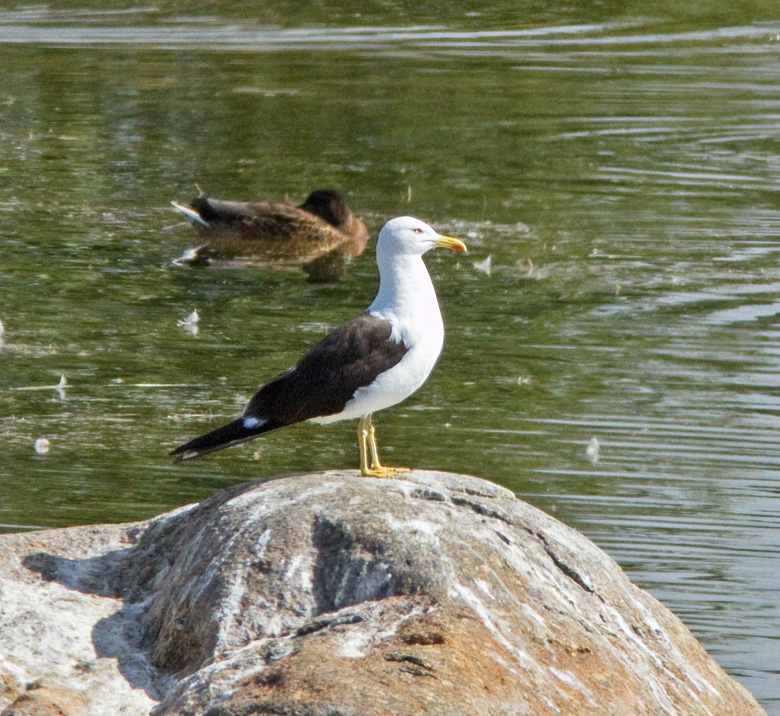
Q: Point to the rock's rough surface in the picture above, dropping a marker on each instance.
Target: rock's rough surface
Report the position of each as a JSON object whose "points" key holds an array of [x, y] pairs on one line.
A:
{"points": [[334, 594]]}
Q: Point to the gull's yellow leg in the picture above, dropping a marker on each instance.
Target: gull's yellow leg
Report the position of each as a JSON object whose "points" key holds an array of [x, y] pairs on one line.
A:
{"points": [[376, 468], [363, 431]]}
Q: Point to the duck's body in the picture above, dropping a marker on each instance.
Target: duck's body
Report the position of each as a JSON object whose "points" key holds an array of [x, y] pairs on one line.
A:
{"points": [[370, 363], [321, 234]]}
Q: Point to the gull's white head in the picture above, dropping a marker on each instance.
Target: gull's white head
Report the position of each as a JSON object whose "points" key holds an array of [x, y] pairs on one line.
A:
{"points": [[407, 235]]}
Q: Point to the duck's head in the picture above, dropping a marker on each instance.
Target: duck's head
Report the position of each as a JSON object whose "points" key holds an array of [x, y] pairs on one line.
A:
{"points": [[329, 205]]}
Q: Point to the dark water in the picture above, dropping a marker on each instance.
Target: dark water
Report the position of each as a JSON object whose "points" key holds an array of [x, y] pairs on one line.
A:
{"points": [[620, 173]]}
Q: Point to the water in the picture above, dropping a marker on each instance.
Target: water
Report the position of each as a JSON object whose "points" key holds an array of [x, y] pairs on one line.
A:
{"points": [[619, 172]]}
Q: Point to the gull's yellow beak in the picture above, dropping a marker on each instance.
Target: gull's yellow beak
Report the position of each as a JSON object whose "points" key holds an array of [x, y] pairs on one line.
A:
{"points": [[447, 242]]}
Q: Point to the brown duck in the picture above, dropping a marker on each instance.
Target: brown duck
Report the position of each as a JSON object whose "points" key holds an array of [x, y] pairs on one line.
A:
{"points": [[321, 235]]}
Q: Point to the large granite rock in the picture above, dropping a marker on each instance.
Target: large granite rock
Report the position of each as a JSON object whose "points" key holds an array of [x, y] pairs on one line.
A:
{"points": [[332, 594]]}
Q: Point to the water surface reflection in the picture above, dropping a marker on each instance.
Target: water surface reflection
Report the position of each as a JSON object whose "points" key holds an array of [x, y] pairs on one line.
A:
{"points": [[621, 176]]}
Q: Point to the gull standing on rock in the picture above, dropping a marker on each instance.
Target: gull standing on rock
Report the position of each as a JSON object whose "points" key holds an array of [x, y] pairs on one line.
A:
{"points": [[370, 363]]}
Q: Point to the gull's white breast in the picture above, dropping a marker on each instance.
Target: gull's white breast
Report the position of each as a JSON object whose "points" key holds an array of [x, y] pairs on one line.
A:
{"points": [[413, 312]]}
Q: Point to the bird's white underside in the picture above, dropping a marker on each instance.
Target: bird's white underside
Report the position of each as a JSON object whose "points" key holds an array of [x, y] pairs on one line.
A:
{"points": [[407, 299]]}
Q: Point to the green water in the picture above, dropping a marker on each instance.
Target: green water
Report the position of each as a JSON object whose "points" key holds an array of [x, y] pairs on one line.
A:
{"points": [[620, 172]]}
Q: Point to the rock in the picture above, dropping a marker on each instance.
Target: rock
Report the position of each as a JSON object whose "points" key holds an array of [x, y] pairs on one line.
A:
{"points": [[327, 594]]}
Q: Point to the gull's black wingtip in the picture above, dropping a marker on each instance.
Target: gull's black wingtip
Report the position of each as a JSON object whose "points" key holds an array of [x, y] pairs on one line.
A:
{"points": [[235, 433], [178, 456], [183, 452]]}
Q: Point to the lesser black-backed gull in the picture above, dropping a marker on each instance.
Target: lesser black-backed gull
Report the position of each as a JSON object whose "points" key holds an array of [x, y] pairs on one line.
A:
{"points": [[370, 363]]}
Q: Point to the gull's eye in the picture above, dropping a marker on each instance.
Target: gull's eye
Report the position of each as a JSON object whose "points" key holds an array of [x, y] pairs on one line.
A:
{"points": [[418, 231]]}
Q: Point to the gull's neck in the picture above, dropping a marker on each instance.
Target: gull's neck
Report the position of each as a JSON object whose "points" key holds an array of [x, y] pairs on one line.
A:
{"points": [[405, 291]]}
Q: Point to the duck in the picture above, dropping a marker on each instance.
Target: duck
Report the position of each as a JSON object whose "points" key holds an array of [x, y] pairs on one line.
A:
{"points": [[321, 235]]}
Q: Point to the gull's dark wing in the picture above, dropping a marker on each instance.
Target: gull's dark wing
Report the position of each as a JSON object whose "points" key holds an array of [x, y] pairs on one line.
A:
{"points": [[321, 383]]}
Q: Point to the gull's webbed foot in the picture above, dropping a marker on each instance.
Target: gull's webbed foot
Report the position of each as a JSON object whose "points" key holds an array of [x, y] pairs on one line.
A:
{"points": [[383, 471]]}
